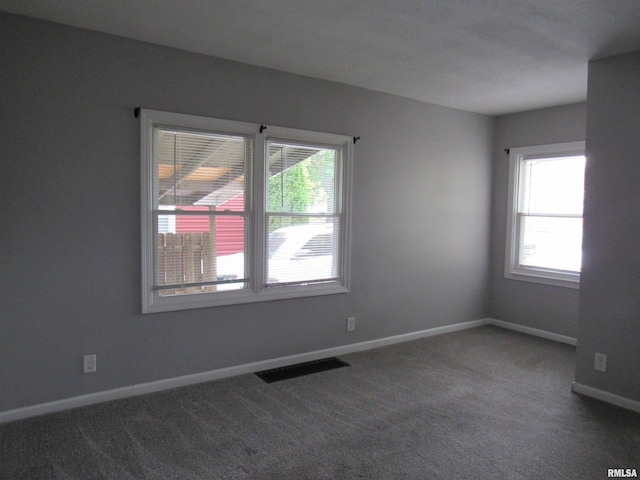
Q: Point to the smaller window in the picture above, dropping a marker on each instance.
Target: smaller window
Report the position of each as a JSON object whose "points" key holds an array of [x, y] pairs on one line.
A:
{"points": [[544, 224]]}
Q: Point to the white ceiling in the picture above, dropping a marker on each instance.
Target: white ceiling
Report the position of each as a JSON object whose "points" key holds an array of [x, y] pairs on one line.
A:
{"points": [[486, 56]]}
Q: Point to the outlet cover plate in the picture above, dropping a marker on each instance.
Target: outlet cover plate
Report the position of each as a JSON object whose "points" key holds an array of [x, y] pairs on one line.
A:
{"points": [[89, 364], [351, 324], [600, 362]]}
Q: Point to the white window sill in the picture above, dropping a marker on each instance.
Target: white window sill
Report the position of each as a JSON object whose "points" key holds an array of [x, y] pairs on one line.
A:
{"points": [[203, 300], [545, 277]]}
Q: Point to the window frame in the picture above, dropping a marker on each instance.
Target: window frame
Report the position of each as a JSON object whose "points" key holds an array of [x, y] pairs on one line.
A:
{"points": [[513, 269], [256, 250]]}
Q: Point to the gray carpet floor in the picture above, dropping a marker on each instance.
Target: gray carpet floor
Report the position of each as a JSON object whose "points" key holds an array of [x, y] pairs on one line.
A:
{"points": [[484, 403]]}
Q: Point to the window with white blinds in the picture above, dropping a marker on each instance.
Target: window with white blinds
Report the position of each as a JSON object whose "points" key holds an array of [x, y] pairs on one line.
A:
{"points": [[303, 216], [201, 181], [236, 212], [544, 235]]}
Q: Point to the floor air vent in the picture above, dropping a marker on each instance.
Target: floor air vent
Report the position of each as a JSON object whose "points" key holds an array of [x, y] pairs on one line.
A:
{"points": [[307, 368]]}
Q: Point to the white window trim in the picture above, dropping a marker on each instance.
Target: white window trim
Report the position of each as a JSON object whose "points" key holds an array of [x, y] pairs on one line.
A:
{"points": [[513, 270], [152, 302]]}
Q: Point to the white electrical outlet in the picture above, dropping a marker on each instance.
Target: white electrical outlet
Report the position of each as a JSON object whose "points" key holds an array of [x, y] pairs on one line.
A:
{"points": [[351, 324], [89, 364], [601, 362]]}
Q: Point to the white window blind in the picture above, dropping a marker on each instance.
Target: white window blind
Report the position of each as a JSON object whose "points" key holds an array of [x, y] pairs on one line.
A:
{"points": [[201, 211], [303, 213]]}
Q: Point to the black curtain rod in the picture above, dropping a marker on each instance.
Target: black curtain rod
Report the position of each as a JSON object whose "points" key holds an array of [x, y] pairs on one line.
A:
{"points": [[136, 113]]}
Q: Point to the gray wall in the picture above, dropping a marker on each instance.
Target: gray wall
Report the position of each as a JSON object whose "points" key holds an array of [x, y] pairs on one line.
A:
{"points": [[610, 295], [70, 221], [545, 307]]}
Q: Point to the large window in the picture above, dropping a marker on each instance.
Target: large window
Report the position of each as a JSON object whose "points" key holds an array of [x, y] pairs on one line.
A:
{"points": [[235, 212], [544, 225]]}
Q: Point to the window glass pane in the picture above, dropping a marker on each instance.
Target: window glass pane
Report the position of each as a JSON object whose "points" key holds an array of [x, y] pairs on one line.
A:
{"points": [[201, 169], [303, 252], [195, 249], [301, 178], [553, 185], [551, 242]]}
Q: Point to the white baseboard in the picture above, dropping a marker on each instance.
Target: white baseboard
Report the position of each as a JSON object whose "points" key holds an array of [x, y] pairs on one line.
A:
{"points": [[605, 396], [150, 387], [533, 331]]}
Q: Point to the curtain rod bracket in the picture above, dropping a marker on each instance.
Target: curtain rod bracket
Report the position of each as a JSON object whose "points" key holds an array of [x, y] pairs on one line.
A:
{"points": [[136, 112], [355, 139], [262, 128], [507, 150]]}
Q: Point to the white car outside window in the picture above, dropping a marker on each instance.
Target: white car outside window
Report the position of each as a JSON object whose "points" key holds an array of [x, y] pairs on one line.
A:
{"points": [[298, 253]]}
